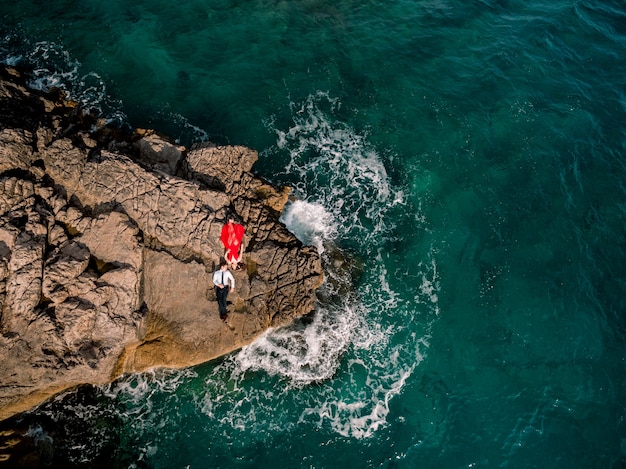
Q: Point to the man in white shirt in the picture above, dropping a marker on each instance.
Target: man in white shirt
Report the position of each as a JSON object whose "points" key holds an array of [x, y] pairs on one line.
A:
{"points": [[223, 281]]}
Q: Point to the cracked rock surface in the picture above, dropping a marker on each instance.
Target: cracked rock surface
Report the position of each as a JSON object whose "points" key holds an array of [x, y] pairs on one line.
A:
{"points": [[108, 241]]}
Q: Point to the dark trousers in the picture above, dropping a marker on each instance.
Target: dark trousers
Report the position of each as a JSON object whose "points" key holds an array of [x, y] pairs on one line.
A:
{"points": [[222, 295]]}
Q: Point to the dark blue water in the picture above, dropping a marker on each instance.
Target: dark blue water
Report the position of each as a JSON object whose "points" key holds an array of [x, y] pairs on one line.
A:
{"points": [[468, 156]]}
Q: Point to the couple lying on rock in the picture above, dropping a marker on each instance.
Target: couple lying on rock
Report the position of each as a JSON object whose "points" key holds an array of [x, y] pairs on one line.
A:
{"points": [[231, 237]]}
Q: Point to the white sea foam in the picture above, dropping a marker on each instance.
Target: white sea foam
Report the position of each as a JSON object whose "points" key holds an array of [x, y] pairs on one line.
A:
{"points": [[353, 395], [310, 222], [364, 410], [302, 353], [429, 287], [338, 169], [136, 389], [54, 67]]}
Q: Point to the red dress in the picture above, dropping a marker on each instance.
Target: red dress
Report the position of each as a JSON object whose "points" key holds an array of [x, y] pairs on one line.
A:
{"points": [[232, 234]]}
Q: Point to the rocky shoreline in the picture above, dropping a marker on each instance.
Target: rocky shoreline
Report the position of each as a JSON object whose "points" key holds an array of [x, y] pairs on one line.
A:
{"points": [[108, 240]]}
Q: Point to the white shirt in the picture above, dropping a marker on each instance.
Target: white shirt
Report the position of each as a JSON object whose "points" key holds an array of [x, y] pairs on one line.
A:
{"points": [[222, 277]]}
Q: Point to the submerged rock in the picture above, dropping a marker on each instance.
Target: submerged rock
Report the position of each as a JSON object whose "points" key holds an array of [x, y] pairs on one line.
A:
{"points": [[108, 241]]}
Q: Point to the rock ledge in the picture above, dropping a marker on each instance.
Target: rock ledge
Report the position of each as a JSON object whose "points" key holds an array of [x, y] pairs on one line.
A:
{"points": [[108, 240]]}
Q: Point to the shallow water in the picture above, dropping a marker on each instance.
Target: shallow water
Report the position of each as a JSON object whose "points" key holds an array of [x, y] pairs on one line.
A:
{"points": [[469, 156]]}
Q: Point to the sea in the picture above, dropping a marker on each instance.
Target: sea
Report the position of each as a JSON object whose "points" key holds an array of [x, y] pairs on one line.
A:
{"points": [[460, 165]]}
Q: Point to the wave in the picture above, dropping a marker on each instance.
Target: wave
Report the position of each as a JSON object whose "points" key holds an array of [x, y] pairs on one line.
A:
{"points": [[310, 222], [303, 353], [52, 66], [332, 165], [344, 365]]}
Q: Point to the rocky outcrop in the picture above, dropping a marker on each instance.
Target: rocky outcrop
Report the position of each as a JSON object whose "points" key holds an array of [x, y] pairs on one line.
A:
{"points": [[108, 241]]}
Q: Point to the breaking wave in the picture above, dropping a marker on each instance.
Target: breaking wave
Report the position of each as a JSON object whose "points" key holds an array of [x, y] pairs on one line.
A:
{"points": [[310, 222], [333, 166], [344, 365]]}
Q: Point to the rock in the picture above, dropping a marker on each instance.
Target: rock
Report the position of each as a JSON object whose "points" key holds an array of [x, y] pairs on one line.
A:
{"points": [[228, 169], [158, 153], [108, 241]]}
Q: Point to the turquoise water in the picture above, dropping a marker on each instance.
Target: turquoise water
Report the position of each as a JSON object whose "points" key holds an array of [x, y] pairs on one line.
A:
{"points": [[467, 156]]}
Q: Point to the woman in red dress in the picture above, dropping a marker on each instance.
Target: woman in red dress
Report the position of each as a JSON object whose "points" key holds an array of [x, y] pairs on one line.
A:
{"points": [[231, 237]]}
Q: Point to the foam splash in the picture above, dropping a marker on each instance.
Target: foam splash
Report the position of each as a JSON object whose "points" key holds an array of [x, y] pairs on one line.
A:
{"points": [[337, 168], [342, 370], [311, 376], [303, 354], [357, 403], [310, 222]]}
